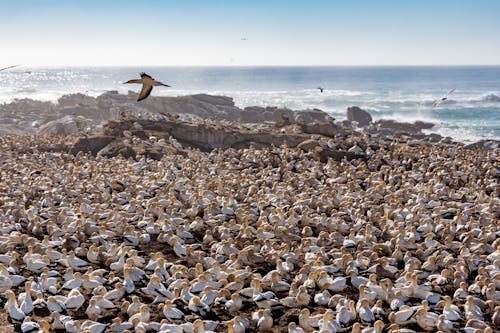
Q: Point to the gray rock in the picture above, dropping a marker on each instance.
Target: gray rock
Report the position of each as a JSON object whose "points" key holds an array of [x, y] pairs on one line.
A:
{"points": [[359, 115], [402, 126], [485, 144], [66, 125]]}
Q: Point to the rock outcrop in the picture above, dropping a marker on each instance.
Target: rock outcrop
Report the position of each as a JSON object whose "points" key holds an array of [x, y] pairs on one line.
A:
{"points": [[155, 138], [393, 125], [67, 125], [359, 115], [29, 116], [486, 144]]}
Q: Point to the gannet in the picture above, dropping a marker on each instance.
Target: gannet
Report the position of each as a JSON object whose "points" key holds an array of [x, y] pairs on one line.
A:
{"points": [[442, 99], [147, 85]]}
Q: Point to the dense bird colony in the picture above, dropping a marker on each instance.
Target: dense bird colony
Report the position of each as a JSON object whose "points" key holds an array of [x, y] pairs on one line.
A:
{"points": [[255, 240]]}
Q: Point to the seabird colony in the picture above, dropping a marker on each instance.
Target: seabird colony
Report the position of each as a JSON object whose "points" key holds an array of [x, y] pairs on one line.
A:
{"points": [[245, 240]]}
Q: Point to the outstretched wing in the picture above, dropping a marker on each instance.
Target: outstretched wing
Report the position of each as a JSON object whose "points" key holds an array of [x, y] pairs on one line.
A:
{"points": [[133, 81], [2, 69], [145, 91], [158, 83]]}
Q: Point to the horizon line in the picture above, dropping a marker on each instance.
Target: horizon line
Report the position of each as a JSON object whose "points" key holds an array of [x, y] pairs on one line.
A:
{"points": [[267, 65]]}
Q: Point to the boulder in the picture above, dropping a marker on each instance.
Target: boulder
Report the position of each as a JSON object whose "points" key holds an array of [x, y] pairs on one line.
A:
{"points": [[485, 144], [397, 126], [359, 115], [67, 125]]}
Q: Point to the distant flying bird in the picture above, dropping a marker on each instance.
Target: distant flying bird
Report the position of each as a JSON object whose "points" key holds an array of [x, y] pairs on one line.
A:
{"points": [[147, 85], [2, 69], [321, 89], [442, 99]]}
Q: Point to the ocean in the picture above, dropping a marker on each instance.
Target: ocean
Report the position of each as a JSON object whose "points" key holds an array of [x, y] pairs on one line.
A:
{"points": [[470, 113]]}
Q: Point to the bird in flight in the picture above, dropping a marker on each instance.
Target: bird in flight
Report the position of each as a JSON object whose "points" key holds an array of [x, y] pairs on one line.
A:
{"points": [[147, 85], [321, 89], [442, 99], [2, 69]]}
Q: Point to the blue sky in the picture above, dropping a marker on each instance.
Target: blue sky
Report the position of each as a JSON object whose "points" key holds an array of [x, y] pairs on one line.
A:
{"points": [[279, 32]]}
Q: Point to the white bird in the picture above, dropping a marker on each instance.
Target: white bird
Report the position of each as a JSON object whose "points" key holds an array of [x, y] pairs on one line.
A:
{"points": [[74, 300], [365, 313], [103, 303], [234, 304], [344, 316], [143, 315], [156, 289], [29, 325], [5, 283], [12, 308], [74, 262], [73, 283], [118, 325], [93, 326], [58, 320], [426, 320], [55, 304], [135, 306], [265, 321], [93, 311], [117, 293], [307, 322], [170, 311], [404, 316], [25, 300], [444, 324], [293, 328], [442, 99], [323, 297], [196, 306], [147, 85]]}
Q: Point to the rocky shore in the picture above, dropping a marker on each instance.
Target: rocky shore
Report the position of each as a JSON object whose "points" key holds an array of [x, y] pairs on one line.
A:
{"points": [[189, 214]]}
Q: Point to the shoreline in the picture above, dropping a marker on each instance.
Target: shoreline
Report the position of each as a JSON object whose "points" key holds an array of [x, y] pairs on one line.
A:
{"points": [[87, 114]]}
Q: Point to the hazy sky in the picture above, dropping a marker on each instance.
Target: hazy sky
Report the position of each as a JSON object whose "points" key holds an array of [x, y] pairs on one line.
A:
{"points": [[280, 32]]}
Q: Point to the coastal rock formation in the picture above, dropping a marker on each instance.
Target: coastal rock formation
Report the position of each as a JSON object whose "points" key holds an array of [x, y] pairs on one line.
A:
{"points": [[157, 137], [67, 125], [29, 116], [486, 144], [392, 125], [359, 115]]}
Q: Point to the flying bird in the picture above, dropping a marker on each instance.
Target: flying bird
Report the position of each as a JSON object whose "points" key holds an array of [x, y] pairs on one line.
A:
{"points": [[442, 99], [147, 85], [321, 89], [2, 69]]}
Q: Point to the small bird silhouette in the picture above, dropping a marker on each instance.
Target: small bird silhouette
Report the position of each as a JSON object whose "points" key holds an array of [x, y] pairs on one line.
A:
{"points": [[442, 99]]}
